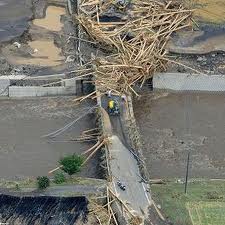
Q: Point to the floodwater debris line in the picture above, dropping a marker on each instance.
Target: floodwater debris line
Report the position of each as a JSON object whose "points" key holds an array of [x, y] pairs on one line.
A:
{"points": [[135, 33]]}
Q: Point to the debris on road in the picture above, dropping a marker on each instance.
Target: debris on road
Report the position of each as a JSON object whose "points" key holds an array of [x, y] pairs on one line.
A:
{"points": [[18, 45]]}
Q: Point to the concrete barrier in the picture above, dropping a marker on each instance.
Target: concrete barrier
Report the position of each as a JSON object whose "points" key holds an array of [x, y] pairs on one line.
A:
{"points": [[4, 84], [189, 82], [34, 91]]}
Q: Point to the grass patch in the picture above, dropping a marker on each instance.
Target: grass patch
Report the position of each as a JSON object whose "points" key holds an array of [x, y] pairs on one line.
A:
{"points": [[207, 213], [175, 204], [32, 182]]}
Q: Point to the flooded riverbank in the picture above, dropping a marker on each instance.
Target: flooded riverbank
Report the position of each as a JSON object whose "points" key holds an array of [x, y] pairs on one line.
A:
{"points": [[51, 21]]}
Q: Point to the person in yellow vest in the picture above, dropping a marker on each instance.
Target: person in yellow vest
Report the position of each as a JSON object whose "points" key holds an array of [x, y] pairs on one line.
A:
{"points": [[111, 106]]}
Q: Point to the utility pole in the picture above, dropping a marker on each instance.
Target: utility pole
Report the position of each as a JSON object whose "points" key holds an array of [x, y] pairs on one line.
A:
{"points": [[187, 172]]}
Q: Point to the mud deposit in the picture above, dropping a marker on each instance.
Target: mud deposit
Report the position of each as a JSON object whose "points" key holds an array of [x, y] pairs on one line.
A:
{"points": [[44, 210], [23, 150], [209, 11], [47, 54], [43, 47], [41, 50], [209, 34], [52, 19], [172, 124]]}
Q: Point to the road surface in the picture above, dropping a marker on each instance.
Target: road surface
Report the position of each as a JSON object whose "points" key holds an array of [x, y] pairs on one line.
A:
{"points": [[124, 167]]}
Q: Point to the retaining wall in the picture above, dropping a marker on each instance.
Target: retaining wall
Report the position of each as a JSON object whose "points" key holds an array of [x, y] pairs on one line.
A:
{"points": [[189, 82], [4, 84], [40, 91], [68, 87]]}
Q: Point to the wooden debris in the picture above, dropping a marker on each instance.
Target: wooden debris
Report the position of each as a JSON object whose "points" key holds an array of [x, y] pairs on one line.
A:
{"points": [[52, 171], [102, 143], [80, 99], [158, 211], [123, 203], [157, 181], [139, 40]]}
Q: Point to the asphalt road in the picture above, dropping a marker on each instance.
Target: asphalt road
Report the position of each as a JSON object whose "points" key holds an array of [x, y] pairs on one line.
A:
{"points": [[124, 167]]}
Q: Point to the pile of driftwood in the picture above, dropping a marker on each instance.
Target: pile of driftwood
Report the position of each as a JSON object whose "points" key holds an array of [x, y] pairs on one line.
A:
{"points": [[105, 214], [137, 39]]}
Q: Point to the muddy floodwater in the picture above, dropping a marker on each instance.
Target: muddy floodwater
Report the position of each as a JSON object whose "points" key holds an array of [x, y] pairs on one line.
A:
{"points": [[44, 52], [173, 124], [47, 54], [52, 19], [23, 150]]}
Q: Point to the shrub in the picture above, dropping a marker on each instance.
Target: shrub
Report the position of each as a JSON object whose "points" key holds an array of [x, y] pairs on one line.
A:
{"points": [[17, 187], [43, 182], [71, 164], [213, 195], [59, 178]]}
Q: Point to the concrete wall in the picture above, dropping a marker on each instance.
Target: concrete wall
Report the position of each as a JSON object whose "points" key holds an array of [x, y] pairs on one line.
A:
{"points": [[189, 82], [4, 84], [68, 87], [15, 91]]}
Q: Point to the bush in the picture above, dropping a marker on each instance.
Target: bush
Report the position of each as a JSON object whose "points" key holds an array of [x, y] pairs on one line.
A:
{"points": [[17, 187], [43, 182], [71, 164], [59, 178], [213, 195]]}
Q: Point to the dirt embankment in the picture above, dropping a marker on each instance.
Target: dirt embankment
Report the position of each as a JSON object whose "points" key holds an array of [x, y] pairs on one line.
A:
{"points": [[173, 124]]}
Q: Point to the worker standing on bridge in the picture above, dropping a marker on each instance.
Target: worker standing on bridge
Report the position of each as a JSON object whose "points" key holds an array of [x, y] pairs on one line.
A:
{"points": [[111, 106], [109, 93]]}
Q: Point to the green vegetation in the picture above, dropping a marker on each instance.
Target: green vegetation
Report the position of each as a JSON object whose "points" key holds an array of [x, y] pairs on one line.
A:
{"points": [[207, 213], [71, 163], [43, 182], [31, 183], [178, 207], [59, 178]]}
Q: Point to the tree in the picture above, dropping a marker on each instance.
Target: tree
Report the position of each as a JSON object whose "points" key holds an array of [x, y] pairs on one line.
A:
{"points": [[59, 178], [43, 182], [71, 164]]}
